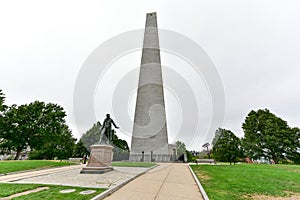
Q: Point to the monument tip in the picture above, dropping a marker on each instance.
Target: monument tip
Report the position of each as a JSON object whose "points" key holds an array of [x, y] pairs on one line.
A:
{"points": [[151, 13]]}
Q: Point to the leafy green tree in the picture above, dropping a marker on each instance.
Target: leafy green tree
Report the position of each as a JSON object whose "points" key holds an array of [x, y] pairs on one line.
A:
{"points": [[190, 156], [180, 148], [203, 154], [2, 109], [80, 150], [92, 136], [268, 136], [65, 144], [293, 150], [121, 148], [35, 125], [181, 151], [122, 144], [60, 147], [2, 100], [226, 146]]}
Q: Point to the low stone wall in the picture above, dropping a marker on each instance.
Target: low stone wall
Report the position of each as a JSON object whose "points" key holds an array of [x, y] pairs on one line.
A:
{"points": [[147, 158], [76, 160]]}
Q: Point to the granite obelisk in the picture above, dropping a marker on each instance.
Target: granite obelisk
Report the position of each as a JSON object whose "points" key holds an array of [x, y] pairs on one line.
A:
{"points": [[149, 138]]}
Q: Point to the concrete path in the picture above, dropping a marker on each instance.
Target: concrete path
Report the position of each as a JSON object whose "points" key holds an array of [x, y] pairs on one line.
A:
{"points": [[72, 177], [166, 182], [29, 174]]}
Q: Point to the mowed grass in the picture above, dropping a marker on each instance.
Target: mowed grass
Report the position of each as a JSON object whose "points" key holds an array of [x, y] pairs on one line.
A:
{"points": [[133, 164], [243, 181], [22, 165], [7, 189]]}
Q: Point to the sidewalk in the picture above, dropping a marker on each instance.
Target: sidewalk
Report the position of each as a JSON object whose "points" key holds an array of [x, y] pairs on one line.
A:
{"points": [[168, 181], [70, 176], [34, 173]]}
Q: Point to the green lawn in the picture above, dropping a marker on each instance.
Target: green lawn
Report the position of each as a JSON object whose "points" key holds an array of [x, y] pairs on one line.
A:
{"points": [[133, 164], [21, 165], [7, 189], [242, 181]]}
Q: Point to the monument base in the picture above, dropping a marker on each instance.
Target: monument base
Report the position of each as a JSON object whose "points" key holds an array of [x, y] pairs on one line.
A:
{"points": [[148, 157], [100, 160], [90, 170]]}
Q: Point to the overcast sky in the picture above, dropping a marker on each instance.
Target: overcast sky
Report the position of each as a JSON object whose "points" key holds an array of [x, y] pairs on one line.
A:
{"points": [[254, 45]]}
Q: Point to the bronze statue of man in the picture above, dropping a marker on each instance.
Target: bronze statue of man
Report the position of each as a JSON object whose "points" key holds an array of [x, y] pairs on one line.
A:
{"points": [[106, 129]]}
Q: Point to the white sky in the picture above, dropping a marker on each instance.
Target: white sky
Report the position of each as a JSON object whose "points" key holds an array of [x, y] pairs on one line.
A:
{"points": [[254, 45]]}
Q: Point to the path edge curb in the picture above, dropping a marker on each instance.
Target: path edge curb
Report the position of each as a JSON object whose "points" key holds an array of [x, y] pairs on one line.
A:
{"points": [[117, 187], [203, 193]]}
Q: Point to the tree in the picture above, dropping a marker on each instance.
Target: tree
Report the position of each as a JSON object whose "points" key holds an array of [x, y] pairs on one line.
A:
{"points": [[181, 151], [2, 109], [2, 100], [92, 136], [293, 149], [268, 136], [121, 148], [36, 125], [180, 148], [117, 142], [190, 156], [64, 145], [226, 146], [60, 147], [80, 150]]}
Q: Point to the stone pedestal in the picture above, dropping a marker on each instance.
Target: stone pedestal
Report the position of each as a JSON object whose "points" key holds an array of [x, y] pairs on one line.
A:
{"points": [[100, 159]]}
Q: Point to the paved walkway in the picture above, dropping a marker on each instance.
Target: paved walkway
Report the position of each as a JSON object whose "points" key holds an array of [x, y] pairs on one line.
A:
{"points": [[29, 174], [72, 177], [168, 181]]}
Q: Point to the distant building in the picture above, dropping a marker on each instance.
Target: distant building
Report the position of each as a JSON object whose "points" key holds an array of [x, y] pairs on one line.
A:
{"points": [[23, 156]]}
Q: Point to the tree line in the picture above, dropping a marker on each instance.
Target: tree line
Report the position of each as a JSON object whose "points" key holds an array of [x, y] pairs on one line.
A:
{"points": [[92, 136], [265, 136], [42, 128], [39, 126]]}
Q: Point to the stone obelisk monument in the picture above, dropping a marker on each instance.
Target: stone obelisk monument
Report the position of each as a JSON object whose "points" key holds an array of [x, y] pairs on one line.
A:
{"points": [[149, 138]]}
